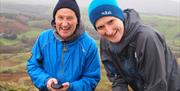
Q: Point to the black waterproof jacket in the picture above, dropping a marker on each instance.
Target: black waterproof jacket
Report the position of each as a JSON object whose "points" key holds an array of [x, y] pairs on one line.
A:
{"points": [[141, 59]]}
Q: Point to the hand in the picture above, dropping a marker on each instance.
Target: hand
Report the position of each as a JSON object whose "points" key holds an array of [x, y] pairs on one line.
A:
{"points": [[53, 80], [64, 88], [49, 83]]}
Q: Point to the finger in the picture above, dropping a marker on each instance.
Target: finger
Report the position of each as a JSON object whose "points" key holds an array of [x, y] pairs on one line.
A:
{"points": [[49, 83], [66, 84], [54, 81]]}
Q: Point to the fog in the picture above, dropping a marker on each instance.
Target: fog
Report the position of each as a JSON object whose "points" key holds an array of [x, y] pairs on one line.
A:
{"points": [[164, 7]]}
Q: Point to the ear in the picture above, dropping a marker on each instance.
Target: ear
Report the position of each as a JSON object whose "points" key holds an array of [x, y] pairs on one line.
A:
{"points": [[53, 24]]}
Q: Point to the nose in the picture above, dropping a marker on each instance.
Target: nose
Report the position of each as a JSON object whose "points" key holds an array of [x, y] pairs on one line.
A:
{"points": [[109, 30], [64, 23]]}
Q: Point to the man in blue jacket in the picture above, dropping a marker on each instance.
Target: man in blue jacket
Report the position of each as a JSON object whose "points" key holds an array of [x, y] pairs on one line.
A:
{"points": [[65, 55]]}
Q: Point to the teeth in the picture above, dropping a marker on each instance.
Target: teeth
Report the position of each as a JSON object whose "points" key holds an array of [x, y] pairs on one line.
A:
{"points": [[64, 28]]}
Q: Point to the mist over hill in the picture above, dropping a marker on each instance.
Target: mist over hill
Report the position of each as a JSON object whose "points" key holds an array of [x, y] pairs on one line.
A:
{"points": [[161, 7], [17, 8]]}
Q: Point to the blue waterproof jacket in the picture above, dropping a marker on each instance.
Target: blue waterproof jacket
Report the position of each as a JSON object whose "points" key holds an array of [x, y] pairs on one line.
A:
{"points": [[76, 62]]}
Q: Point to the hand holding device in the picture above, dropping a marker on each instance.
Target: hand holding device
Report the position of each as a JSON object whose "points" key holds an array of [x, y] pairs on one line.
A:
{"points": [[56, 86]]}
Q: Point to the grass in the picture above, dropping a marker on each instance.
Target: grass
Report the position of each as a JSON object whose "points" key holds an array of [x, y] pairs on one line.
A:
{"points": [[178, 59], [15, 57], [169, 26], [98, 43], [14, 63], [16, 86], [6, 56], [34, 32], [14, 69], [104, 84], [7, 42], [37, 22]]}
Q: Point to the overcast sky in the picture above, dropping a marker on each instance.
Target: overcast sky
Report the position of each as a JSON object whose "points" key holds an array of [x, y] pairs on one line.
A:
{"points": [[157, 6], [83, 3]]}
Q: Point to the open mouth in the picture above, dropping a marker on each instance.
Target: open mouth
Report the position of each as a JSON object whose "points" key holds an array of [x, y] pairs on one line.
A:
{"points": [[115, 32], [64, 29]]}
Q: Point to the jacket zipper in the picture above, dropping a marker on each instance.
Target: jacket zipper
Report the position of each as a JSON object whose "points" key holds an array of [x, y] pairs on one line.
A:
{"points": [[63, 52]]}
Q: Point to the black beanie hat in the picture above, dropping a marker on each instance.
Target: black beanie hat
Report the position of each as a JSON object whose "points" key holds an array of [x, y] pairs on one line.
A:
{"points": [[71, 4]]}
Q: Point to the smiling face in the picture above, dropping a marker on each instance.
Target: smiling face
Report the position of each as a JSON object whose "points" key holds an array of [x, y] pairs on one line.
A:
{"points": [[110, 28], [66, 22]]}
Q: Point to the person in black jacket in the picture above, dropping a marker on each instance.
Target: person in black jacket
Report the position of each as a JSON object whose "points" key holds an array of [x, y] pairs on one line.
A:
{"points": [[133, 54]]}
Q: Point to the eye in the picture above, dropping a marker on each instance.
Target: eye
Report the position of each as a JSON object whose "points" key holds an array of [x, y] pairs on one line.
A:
{"points": [[60, 18], [100, 27], [70, 18], [110, 22]]}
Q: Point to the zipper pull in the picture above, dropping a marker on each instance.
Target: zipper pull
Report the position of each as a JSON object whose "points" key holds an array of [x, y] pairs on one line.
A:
{"points": [[64, 47]]}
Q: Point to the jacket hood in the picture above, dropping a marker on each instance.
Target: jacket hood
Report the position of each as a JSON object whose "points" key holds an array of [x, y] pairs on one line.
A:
{"points": [[132, 24], [79, 30]]}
